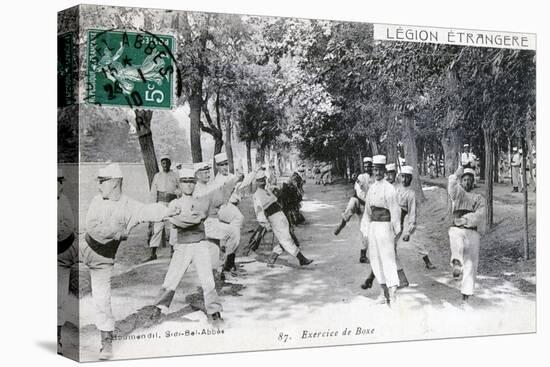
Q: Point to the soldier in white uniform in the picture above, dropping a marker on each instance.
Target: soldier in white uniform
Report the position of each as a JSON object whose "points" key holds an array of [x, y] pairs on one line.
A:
{"points": [[468, 159], [468, 213], [225, 220], [516, 165], [272, 177], [356, 205], [317, 173], [164, 189], [326, 173], [192, 244], [111, 215], [384, 216], [406, 198], [229, 215], [270, 216], [67, 253]]}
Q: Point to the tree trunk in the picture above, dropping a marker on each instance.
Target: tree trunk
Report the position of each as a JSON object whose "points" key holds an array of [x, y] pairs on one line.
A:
{"points": [[437, 157], [145, 137], [361, 169], [249, 155], [488, 137], [260, 156], [451, 142], [452, 137], [496, 161], [374, 147], [218, 145], [529, 154], [420, 146], [195, 107], [411, 155], [510, 160], [228, 143], [525, 200], [391, 150], [482, 162]]}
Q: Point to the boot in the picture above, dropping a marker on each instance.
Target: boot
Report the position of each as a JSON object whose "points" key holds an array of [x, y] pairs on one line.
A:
{"points": [[294, 238], [272, 258], [403, 281], [153, 255], [368, 281], [106, 351], [428, 263], [171, 251], [457, 268], [392, 298], [165, 297], [229, 262], [59, 344], [363, 257], [464, 304], [216, 316], [385, 293], [340, 227], [215, 319], [303, 260]]}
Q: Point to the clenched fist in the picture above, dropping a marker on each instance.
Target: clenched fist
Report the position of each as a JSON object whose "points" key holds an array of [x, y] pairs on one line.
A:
{"points": [[173, 210]]}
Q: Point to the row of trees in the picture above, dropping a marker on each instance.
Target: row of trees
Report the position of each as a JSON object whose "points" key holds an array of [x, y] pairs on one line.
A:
{"points": [[333, 93]]}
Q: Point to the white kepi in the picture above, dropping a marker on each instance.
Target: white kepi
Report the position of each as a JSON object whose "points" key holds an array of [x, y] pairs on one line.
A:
{"points": [[111, 171], [379, 159], [406, 170], [220, 158]]}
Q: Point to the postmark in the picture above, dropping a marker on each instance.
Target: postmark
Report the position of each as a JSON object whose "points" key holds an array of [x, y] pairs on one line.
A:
{"points": [[65, 69], [132, 69]]}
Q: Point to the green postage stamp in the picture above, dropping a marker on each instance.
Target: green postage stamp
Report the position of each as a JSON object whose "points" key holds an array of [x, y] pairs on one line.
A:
{"points": [[133, 69]]}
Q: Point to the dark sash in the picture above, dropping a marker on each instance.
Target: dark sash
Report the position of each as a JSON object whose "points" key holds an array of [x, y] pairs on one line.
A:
{"points": [[108, 249], [63, 245], [165, 197], [380, 214], [272, 209], [459, 214], [192, 234]]}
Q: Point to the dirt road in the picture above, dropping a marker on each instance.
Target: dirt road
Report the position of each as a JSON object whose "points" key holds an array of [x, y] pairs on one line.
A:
{"points": [[292, 306]]}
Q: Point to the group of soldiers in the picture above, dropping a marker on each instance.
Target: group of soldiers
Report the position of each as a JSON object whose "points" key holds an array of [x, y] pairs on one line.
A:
{"points": [[322, 173], [194, 211], [387, 208]]}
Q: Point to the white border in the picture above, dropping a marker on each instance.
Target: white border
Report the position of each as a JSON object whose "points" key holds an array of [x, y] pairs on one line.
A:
{"points": [[29, 156]]}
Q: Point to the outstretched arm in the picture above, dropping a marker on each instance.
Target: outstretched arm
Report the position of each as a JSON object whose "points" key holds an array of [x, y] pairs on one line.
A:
{"points": [[410, 226], [454, 188]]}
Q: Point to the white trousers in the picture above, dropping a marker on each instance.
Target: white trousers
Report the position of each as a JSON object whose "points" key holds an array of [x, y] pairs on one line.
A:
{"points": [[281, 230], [516, 177], [229, 235], [100, 273], [160, 229], [230, 214], [382, 253], [465, 248], [65, 261], [354, 207], [198, 254]]}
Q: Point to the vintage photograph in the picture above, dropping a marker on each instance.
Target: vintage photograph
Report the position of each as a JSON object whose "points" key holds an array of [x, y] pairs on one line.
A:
{"points": [[237, 183]]}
